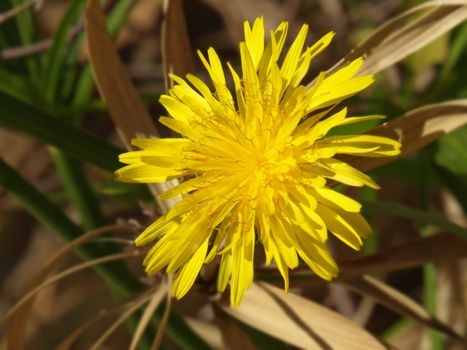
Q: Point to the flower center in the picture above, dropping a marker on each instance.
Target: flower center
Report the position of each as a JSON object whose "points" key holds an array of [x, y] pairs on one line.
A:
{"points": [[270, 163]]}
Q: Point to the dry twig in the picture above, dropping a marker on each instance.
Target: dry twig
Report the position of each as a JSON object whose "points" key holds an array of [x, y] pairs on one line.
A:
{"points": [[18, 9]]}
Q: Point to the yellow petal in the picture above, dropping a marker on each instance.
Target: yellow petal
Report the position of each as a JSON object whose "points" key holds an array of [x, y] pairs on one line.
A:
{"points": [[348, 227], [317, 257], [363, 145], [145, 173], [187, 275], [254, 39], [225, 271], [291, 60], [242, 269], [346, 174], [335, 199]]}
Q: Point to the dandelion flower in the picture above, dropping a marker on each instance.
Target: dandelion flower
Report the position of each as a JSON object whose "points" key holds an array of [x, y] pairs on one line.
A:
{"points": [[257, 165]]}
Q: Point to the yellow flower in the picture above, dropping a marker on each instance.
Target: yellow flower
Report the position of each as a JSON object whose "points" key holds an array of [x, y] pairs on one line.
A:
{"points": [[256, 165]]}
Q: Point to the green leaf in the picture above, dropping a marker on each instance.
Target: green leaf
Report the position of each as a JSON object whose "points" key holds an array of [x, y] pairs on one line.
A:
{"points": [[452, 151], [126, 192], [15, 84], [17, 115], [27, 32], [53, 218], [456, 184], [56, 56], [456, 50], [354, 129], [79, 190], [434, 53], [9, 37]]}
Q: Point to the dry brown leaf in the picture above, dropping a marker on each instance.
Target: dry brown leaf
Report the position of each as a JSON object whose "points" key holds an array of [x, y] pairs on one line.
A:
{"points": [[68, 342], [398, 302], [412, 336], [149, 311], [434, 248], [72, 270], [233, 337], [126, 109], [415, 129], [177, 55], [138, 300], [208, 331], [21, 311], [299, 321], [397, 39], [126, 313], [162, 326], [12, 244], [28, 156], [441, 247], [416, 253]]}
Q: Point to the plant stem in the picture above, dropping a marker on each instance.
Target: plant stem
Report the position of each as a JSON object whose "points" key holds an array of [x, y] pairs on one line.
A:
{"points": [[78, 189], [430, 272]]}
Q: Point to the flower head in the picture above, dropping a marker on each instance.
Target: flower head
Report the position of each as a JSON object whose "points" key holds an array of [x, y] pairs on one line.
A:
{"points": [[257, 165]]}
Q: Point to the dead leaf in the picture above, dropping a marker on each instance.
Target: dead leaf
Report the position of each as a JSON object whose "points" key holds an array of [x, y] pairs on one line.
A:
{"points": [[397, 38], [434, 248], [440, 247], [411, 336], [209, 332], [28, 156], [416, 129], [451, 293], [20, 312], [126, 313], [148, 313], [232, 335], [398, 302], [72, 337], [177, 55], [162, 325], [12, 244], [68, 342], [126, 109], [299, 321]]}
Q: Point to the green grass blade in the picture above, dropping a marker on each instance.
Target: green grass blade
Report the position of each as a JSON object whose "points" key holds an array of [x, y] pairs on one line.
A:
{"points": [[27, 32], [78, 189], [414, 214], [430, 273], [15, 84], [50, 216], [456, 50], [454, 184], [22, 117], [115, 274], [370, 245], [56, 56]]}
